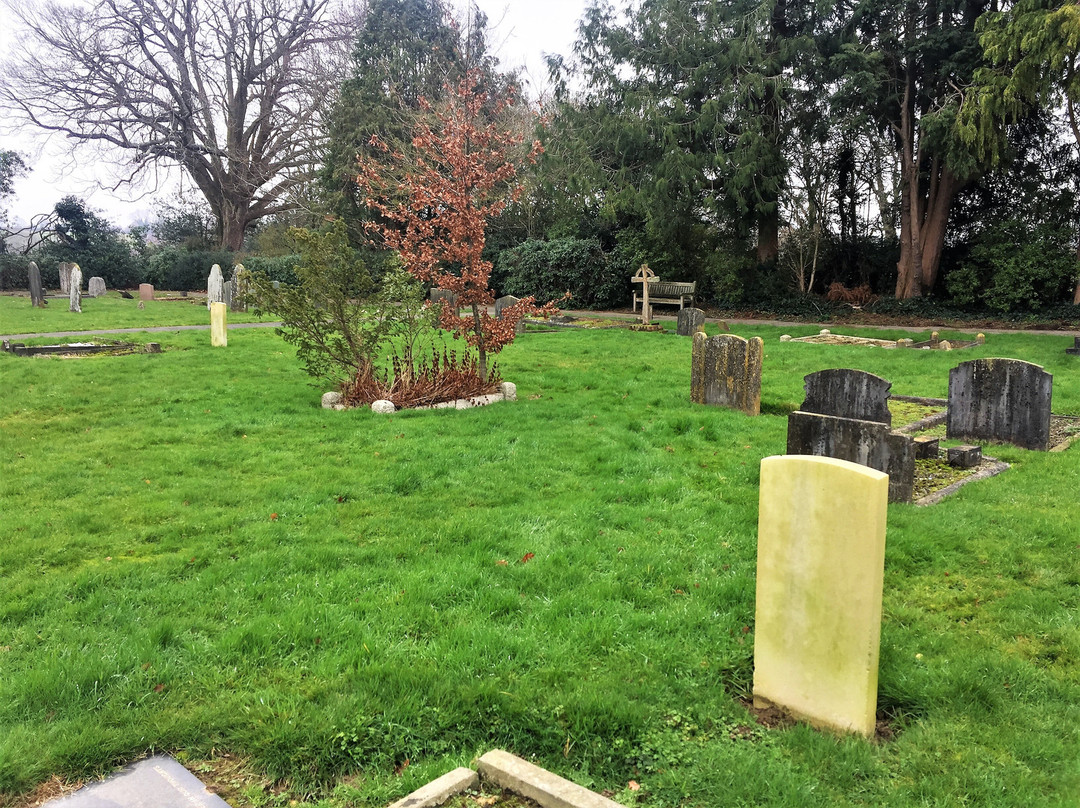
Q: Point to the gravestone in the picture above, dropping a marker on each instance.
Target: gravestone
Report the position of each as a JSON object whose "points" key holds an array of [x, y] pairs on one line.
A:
{"points": [[848, 393], [868, 443], [1005, 400], [504, 302], [75, 289], [1075, 349], [95, 287], [725, 371], [218, 331], [228, 294], [215, 287], [820, 571], [239, 301], [690, 321], [645, 276], [65, 277], [37, 292], [156, 782], [439, 295], [146, 291]]}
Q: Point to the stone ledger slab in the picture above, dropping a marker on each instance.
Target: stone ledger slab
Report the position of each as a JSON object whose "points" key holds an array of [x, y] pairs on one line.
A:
{"points": [[820, 572], [157, 782]]}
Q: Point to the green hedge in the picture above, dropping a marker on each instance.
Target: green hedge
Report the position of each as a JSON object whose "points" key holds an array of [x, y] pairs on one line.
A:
{"points": [[548, 269]]}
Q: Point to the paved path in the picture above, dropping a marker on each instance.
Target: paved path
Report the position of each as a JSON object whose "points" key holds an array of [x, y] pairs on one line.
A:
{"points": [[839, 327]]}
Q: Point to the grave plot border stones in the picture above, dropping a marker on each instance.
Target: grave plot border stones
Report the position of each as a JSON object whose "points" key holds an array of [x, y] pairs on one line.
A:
{"points": [[1005, 400], [820, 575], [725, 371]]}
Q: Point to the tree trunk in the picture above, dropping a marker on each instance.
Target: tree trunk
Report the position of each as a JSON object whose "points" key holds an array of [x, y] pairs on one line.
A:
{"points": [[481, 349], [234, 223], [1076, 292], [768, 244], [909, 269]]}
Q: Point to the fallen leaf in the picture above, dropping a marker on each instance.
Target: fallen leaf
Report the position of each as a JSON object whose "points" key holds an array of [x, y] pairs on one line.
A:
{"points": [[158, 688], [502, 562], [486, 801], [525, 559], [273, 517], [633, 785]]}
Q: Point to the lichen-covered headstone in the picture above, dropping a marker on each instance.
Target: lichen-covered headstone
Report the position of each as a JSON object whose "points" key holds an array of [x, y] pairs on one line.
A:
{"points": [[1005, 400], [146, 291], [239, 290], [75, 289], [218, 332], [215, 287], [95, 287], [37, 292], [725, 371], [820, 571], [689, 322], [436, 296], [504, 302], [848, 393], [65, 277]]}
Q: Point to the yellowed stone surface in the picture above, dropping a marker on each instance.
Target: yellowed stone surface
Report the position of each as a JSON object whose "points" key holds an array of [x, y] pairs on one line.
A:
{"points": [[218, 334], [821, 561]]}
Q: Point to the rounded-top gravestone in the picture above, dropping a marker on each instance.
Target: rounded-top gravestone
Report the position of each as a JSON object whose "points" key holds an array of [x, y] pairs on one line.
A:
{"points": [[75, 289], [690, 321], [215, 286], [95, 287]]}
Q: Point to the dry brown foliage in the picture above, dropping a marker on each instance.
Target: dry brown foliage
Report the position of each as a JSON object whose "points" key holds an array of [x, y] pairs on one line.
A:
{"points": [[446, 377], [859, 296]]}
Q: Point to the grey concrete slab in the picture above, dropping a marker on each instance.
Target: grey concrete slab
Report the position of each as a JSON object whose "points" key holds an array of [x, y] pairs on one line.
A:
{"points": [[157, 782], [539, 785]]}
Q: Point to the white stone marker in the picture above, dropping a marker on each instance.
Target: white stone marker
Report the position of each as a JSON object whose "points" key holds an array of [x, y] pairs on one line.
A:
{"points": [[218, 332], [821, 561], [215, 287], [75, 290]]}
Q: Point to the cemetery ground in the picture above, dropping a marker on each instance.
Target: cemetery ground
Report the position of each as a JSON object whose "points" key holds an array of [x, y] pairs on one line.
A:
{"points": [[334, 608]]}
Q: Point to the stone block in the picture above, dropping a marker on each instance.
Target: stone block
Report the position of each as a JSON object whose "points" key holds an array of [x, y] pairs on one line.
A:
{"points": [[153, 347], [868, 443], [146, 291], [1075, 349], [219, 336], [689, 322], [156, 782], [1006, 400], [848, 393], [926, 447], [439, 791], [820, 569], [508, 391], [725, 371], [964, 457], [95, 287], [529, 780]]}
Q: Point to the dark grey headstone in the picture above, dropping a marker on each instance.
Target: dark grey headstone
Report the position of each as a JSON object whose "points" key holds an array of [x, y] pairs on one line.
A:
{"points": [[504, 302], [868, 443], [439, 295], [690, 321], [848, 393], [157, 782], [1005, 400], [95, 287], [239, 299], [228, 293], [1075, 349], [37, 293]]}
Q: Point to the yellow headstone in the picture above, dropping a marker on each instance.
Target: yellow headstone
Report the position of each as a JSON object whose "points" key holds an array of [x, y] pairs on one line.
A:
{"points": [[821, 561], [218, 334]]}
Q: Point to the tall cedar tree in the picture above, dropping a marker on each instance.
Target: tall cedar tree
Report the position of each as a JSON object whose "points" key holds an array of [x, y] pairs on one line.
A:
{"points": [[434, 202]]}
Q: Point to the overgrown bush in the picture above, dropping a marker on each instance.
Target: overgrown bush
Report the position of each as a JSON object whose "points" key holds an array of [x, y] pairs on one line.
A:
{"points": [[14, 273], [280, 268], [548, 269], [1016, 268]]}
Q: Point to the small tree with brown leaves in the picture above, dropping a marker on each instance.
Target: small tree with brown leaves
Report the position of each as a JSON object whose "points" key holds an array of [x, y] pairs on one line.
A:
{"points": [[434, 203]]}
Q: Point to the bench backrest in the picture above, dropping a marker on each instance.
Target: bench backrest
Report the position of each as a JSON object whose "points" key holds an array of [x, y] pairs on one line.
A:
{"points": [[672, 288]]}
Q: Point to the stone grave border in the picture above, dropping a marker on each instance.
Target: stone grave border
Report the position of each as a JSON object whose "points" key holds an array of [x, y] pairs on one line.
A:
{"points": [[507, 391], [512, 773], [81, 348]]}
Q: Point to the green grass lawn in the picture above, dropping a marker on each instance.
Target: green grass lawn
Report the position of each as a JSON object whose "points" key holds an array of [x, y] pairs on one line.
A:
{"points": [[17, 316], [196, 558]]}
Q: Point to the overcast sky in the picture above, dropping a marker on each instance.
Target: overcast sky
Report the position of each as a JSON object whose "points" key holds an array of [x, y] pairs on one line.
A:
{"points": [[521, 32]]}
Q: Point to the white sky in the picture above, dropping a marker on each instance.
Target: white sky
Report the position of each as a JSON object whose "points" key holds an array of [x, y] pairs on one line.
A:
{"points": [[520, 31]]}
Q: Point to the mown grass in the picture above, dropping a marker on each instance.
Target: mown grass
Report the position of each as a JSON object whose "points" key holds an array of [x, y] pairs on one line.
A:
{"points": [[17, 316], [195, 557]]}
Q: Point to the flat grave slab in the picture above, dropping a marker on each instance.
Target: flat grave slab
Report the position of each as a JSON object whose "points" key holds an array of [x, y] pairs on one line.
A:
{"points": [[156, 782]]}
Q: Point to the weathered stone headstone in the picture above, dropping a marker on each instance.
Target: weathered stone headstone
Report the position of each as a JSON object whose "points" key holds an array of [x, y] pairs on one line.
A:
{"points": [[65, 277], [215, 287], [1075, 349], [95, 287], [75, 289], [820, 570], [229, 292], [848, 393], [868, 443], [504, 302], [156, 782], [725, 371], [438, 295], [37, 292], [690, 321], [239, 301], [146, 291], [1005, 400], [218, 331]]}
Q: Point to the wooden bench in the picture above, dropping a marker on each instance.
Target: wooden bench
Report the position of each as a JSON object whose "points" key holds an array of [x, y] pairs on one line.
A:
{"points": [[672, 292]]}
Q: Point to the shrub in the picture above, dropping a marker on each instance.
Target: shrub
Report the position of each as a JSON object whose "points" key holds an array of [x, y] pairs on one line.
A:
{"points": [[546, 270], [281, 268], [183, 270], [14, 273]]}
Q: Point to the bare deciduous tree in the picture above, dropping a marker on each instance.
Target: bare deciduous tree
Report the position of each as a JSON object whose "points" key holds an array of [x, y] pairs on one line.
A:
{"points": [[232, 91]]}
